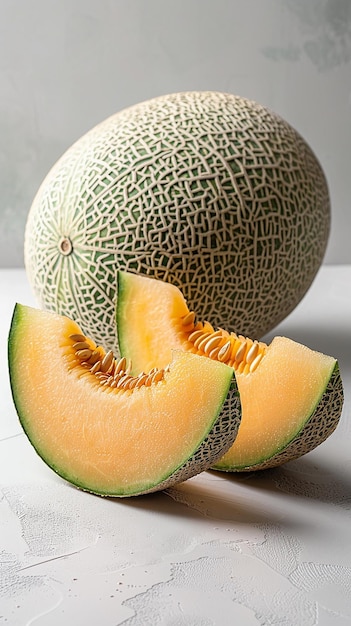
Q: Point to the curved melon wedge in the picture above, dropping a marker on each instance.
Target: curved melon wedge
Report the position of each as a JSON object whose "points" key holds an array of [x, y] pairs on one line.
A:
{"points": [[104, 430], [291, 396], [149, 319], [290, 404]]}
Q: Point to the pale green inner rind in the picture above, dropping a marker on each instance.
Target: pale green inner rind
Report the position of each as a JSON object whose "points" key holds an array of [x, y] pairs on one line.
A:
{"points": [[121, 315]]}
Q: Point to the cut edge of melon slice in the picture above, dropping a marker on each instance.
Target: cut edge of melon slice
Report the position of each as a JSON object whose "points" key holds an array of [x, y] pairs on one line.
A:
{"points": [[305, 394], [149, 302], [310, 409], [116, 442]]}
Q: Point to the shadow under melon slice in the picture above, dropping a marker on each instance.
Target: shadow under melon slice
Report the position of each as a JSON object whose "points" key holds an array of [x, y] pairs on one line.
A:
{"points": [[291, 396], [109, 432]]}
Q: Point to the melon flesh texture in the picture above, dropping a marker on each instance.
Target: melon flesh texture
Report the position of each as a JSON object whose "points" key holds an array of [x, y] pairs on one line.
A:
{"points": [[290, 403], [148, 315], [110, 443], [277, 399]]}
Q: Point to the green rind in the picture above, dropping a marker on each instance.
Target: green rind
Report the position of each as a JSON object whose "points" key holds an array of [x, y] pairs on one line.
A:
{"points": [[216, 440], [15, 325], [318, 427]]}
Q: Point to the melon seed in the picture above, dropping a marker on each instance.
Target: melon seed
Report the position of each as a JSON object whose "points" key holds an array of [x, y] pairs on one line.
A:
{"points": [[81, 345], [107, 361], [121, 365], [95, 356], [224, 352], [240, 352], [96, 367], [201, 344], [211, 343], [195, 335], [200, 339], [252, 353], [76, 337], [122, 380], [188, 319], [84, 355], [255, 362], [214, 353], [131, 384], [141, 381], [158, 376]]}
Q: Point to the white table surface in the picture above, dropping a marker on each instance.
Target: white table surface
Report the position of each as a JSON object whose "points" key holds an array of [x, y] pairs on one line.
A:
{"points": [[271, 548]]}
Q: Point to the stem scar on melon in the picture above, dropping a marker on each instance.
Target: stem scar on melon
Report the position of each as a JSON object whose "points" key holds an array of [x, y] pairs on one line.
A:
{"points": [[106, 430], [291, 396]]}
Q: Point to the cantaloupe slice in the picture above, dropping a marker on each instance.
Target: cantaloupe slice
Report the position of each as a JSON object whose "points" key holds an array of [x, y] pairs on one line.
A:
{"points": [[106, 431], [291, 396]]}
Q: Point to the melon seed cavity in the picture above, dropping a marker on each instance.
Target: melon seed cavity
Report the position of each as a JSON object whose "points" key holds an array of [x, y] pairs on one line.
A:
{"points": [[239, 352], [108, 371]]}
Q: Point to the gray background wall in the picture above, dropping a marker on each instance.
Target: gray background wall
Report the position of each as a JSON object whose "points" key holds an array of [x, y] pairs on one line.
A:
{"points": [[67, 64]]}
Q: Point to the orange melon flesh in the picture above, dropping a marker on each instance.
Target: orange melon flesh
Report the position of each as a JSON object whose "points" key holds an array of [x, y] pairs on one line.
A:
{"points": [[291, 400], [154, 308], [120, 443], [277, 399]]}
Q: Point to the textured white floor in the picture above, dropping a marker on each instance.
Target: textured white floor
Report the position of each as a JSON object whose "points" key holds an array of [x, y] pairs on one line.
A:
{"points": [[271, 548]]}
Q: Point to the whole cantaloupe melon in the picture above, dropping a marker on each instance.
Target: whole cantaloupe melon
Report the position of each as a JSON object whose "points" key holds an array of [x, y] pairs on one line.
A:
{"points": [[207, 190]]}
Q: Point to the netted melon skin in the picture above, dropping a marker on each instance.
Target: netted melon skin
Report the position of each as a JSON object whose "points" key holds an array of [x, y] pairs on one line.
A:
{"points": [[209, 191], [319, 427], [213, 447]]}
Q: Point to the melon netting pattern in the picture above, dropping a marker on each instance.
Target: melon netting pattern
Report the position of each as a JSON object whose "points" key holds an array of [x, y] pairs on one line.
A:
{"points": [[206, 190]]}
